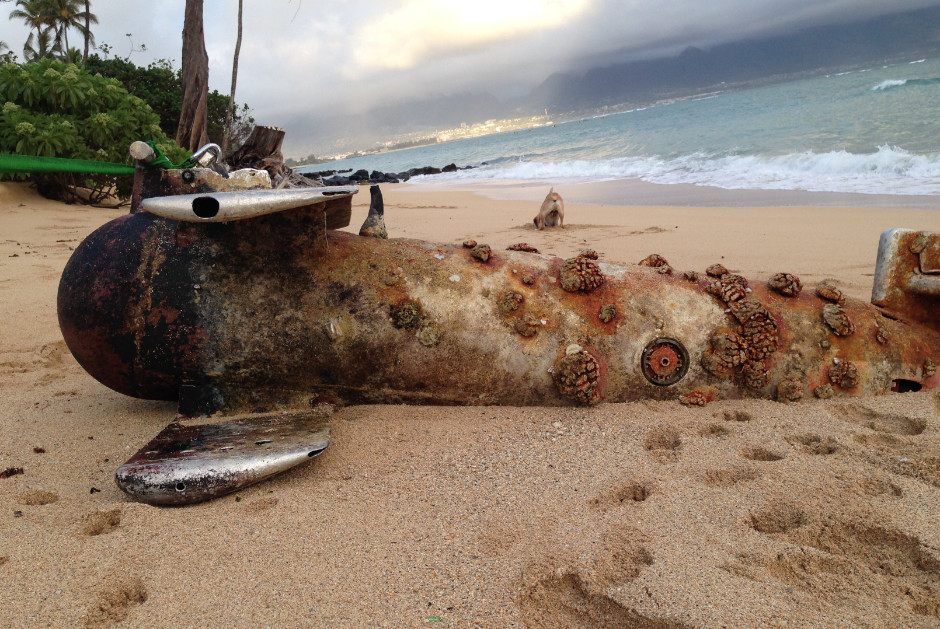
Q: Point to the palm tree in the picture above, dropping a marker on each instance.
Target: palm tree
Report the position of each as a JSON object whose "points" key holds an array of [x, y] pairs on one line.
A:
{"points": [[44, 46], [36, 15], [68, 14]]}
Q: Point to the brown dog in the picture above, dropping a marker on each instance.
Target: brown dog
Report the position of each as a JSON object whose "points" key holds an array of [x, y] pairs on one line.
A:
{"points": [[552, 212]]}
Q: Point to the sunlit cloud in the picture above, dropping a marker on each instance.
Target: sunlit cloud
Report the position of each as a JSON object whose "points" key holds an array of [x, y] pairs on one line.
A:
{"points": [[425, 30]]}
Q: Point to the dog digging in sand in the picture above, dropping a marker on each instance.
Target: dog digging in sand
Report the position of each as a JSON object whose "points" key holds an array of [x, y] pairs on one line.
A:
{"points": [[552, 212]]}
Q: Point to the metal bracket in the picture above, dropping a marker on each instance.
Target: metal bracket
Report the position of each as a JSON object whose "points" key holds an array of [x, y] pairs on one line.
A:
{"points": [[907, 275]]}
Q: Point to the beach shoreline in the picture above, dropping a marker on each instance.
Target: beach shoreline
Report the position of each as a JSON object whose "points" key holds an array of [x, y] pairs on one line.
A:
{"points": [[744, 513]]}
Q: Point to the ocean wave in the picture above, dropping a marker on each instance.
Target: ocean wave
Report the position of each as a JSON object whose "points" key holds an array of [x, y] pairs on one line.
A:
{"points": [[889, 170], [891, 83]]}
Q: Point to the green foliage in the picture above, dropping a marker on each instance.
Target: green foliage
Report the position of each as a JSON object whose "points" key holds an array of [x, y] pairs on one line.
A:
{"points": [[160, 85], [54, 109]]}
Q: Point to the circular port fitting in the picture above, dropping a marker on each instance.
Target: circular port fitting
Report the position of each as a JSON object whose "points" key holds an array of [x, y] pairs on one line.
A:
{"points": [[665, 361]]}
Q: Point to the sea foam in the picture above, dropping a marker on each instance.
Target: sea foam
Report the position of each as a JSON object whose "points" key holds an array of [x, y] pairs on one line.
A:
{"points": [[889, 170]]}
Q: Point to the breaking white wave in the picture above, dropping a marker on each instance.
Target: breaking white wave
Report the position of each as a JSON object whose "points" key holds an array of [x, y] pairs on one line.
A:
{"points": [[884, 85], [890, 170]]}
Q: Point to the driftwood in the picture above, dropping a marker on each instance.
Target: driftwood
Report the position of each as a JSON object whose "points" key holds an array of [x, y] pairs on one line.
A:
{"points": [[262, 150]]}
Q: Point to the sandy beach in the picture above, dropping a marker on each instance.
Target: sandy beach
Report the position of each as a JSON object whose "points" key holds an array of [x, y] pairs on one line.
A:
{"points": [[745, 513]]}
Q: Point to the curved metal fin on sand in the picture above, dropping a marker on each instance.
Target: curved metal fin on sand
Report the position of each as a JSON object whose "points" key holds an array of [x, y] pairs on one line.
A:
{"points": [[189, 463]]}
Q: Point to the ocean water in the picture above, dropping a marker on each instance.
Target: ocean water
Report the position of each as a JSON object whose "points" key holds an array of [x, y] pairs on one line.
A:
{"points": [[873, 131]]}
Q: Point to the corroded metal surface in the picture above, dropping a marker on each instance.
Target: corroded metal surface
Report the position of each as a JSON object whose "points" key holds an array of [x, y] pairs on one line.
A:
{"points": [[185, 464], [267, 313], [907, 275]]}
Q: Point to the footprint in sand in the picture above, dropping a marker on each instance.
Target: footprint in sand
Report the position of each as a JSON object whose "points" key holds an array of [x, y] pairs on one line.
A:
{"points": [[630, 492], [101, 522], [814, 444], [883, 422], [776, 518], [713, 430], [729, 476], [888, 563], [563, 594], [758, 453], [115, 601]]}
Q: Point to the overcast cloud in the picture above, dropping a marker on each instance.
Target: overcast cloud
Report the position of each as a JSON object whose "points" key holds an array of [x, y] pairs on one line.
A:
{"points": [[347, 56]]}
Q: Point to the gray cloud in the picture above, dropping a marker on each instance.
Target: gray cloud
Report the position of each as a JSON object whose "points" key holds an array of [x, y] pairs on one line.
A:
{"points": [[302, 58]]}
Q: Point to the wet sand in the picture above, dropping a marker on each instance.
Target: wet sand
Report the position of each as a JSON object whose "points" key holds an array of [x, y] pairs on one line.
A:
{"points": [[746, 513]]}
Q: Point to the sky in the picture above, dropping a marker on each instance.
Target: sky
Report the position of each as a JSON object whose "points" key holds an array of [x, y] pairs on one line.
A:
{"points": [[301, 56]]}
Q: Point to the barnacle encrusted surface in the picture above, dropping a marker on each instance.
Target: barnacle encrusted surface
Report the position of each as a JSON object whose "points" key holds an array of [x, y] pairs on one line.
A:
{"points": [[581, 273], [790, 390], [481, 252], [697, 397], [588, 253], [823, 391], [429, 335], [406, 315], [716, 270], [754, 375], [930, 368], [838, 320], [527, 325], [728, 288], [576, 374], [758, 328], [510, 301], [607, 313], [522, 246], [654, 260], [692, 276], [881, 334], [844, 374], [830, 293], [786, 284]]}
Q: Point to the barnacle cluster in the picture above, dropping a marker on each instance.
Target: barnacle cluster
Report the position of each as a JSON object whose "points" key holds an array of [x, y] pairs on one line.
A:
{"points": [[838, 320], [527, 325], [657, 262], [844, 374], [790, 389], [407, 315], [522, 246], [745, 348], [785, 284], [930, 368], [481, 252], [510, 301], [830, 293], [716, 270], [728, 287], [576, 375], [607, 313], [581, 273]]}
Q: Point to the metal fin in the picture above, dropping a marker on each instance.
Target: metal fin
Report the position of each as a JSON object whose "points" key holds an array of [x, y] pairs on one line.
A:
{"points": [[185, 464]]}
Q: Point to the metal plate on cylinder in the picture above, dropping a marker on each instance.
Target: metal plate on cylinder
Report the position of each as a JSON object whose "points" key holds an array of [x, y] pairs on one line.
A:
{"points": [[665, 361], [185, 464]]}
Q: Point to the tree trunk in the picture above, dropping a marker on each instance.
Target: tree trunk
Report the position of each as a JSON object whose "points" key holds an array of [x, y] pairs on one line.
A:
{"points": [[262, 150], [192, 133], [227, 132], [87, 28]]}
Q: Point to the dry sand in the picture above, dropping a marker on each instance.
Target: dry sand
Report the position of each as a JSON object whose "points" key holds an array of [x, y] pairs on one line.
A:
{"points": [[740, 514]]}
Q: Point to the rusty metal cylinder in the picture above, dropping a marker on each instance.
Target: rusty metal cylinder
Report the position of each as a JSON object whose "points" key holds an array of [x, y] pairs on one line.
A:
{"points": [[271, 312]]}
